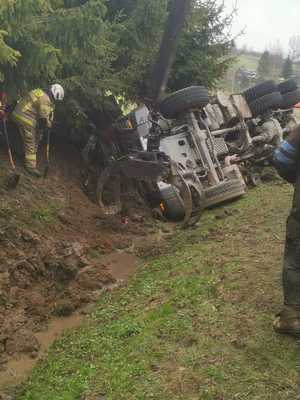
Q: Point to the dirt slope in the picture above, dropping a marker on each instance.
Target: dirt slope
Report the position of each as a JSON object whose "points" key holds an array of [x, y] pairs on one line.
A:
{"points": [[52, 248]]}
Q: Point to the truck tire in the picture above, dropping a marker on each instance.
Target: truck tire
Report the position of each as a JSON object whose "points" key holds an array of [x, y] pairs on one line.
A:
{"points": [[268, 102], [183, 100], [253, 179], [290, 85], [290, 99], [260, 90], [171, 204]]}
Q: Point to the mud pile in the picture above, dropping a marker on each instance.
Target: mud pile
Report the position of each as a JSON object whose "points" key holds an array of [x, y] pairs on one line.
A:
{"points": [[41, 278]]}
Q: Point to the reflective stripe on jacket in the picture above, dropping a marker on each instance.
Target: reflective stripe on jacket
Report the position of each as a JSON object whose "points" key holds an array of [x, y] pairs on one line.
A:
{"points": [[36, 105], [286, 161]]}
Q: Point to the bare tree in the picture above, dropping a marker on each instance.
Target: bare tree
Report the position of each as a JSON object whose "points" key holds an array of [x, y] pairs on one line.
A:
{"points": [[276, 48], [277, 56], [294, 47]]}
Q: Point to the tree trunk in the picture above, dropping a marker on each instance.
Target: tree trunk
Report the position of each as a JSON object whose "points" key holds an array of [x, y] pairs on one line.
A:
{"points": [[179, 10]]}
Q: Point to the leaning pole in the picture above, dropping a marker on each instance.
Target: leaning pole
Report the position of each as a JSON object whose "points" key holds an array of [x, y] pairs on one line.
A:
{"points": [[179, 11]]}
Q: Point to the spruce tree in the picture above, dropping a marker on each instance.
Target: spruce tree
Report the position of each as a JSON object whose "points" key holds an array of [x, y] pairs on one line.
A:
{"points": [[264, 69], [287, 68], [205, 49], [57, 40]]}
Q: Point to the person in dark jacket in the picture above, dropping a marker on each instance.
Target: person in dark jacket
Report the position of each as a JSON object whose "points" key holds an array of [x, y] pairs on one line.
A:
{"points": [[287, 163]]}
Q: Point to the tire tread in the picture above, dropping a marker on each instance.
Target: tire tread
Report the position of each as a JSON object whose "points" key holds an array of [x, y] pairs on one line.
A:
{"points": [[183, 100]]}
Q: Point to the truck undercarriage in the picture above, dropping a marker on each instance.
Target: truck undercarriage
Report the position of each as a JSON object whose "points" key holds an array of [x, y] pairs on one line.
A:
{"points": [[188, 151]]}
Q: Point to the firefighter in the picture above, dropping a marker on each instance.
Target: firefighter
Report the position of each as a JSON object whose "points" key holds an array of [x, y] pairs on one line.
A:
{"points": [[287, 162], [32, 113]]}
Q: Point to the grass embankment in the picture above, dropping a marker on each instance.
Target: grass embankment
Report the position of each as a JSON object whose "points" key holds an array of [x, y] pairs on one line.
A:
{"points": [[193, 324], [248, 61]]}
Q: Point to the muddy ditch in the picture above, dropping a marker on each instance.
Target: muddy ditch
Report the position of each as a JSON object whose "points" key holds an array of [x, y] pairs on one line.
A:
{"points": [[27, 345], [45, 287], [57, 256], [47, 284]]}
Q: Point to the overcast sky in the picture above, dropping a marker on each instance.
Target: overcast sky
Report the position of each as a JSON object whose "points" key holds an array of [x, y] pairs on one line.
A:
{"points": [[265, 21]]}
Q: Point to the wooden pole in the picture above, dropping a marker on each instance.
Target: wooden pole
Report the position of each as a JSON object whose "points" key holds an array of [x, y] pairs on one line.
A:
{"points": [[179, 10]]}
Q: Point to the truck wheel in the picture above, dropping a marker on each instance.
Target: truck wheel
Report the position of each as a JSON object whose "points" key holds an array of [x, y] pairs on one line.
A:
{"points": [[290, 85], [171, 204], [290, 99], [260, 90], [268, 102], [184, 100], [150, 193], [253, 179]]}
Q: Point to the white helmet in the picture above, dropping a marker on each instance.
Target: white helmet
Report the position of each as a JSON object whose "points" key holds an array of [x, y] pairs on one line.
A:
{"points": [[57, 92]]}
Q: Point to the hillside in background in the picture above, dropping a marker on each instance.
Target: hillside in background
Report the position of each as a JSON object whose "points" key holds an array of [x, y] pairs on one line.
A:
{"points": [[250, 61]]}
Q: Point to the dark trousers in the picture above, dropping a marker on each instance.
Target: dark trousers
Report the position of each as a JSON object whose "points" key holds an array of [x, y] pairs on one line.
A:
{"points": [[291, 265]]}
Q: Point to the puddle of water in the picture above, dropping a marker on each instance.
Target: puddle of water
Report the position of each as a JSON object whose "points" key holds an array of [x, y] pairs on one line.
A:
{"points": [[17, 370], [56, 328], [120, 265]]}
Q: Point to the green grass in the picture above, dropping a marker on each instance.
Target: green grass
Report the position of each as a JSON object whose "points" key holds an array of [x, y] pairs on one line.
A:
{"points": [[193, 324], [46, 214], [248, 61]]}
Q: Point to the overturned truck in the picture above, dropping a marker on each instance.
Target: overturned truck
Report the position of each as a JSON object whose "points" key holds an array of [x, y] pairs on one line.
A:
{"points": [[187, 151], [168, 148]]}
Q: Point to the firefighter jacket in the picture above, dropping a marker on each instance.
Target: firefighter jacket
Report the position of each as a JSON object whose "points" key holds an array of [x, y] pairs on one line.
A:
{"points": [[287, 163], [34, 106]]}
